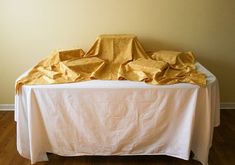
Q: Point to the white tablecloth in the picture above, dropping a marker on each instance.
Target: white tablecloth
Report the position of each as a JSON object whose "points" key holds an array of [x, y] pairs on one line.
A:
{"points": [[117, 118]]}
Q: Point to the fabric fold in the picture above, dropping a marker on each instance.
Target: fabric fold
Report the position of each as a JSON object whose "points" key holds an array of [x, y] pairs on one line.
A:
{"points": [[115, 57]]}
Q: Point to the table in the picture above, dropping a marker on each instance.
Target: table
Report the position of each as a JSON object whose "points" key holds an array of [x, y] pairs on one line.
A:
{"points": [[100, 117]]}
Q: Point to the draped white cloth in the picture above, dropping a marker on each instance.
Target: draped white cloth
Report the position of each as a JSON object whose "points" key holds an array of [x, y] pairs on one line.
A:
{"points": [[117, 118]]}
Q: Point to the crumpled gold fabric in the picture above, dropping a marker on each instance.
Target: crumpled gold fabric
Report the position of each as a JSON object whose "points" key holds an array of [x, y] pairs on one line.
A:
{"points": [[115, 57]]}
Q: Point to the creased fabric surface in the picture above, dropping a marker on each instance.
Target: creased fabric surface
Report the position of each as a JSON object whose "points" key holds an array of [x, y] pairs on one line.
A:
{"points": [[115, 57], [101, 117]]}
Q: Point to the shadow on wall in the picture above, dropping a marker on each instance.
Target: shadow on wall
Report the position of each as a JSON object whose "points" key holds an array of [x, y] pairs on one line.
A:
{"points": [[151, 44], [218, 67], [223, 70]]}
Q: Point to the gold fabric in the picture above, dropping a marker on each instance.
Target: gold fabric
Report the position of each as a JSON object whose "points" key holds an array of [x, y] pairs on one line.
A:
{"points": [[115, 57]]}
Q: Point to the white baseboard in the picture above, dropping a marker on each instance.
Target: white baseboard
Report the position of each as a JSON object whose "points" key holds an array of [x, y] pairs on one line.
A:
{"points": [[11, 107], [7, 107], [228, 105]]}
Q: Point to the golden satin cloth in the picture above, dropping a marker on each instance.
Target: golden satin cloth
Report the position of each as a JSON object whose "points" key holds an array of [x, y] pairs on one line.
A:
{"points": [[115, 57]]}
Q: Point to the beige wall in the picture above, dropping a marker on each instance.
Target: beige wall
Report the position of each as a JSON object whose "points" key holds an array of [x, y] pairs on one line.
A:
{"points": [[31, 29]]}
